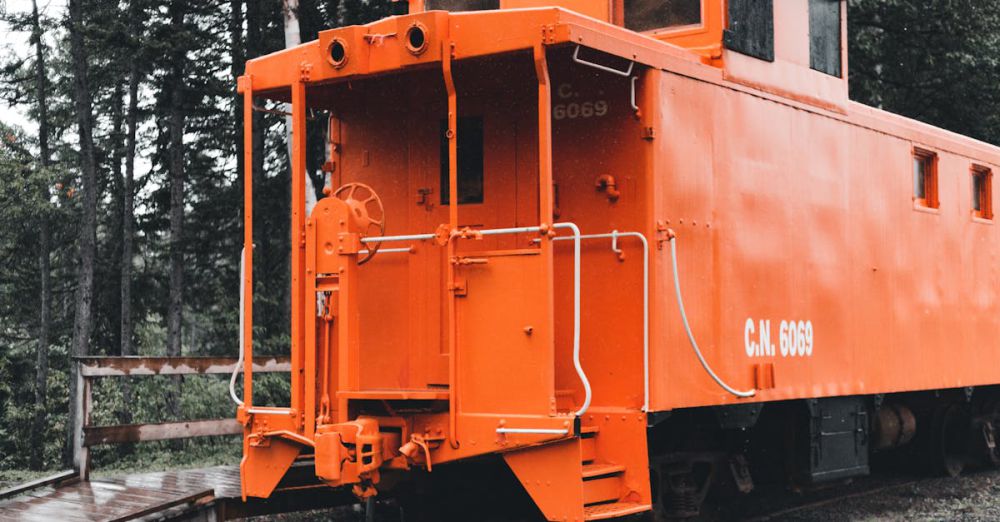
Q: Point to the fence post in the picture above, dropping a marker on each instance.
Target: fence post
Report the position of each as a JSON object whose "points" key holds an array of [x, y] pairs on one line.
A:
{"points": [[81, 453]]}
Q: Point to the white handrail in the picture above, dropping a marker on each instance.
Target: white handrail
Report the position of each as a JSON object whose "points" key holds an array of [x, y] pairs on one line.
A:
{"points": [[614, 235], [239, 361], [541, 431], [687, 329], [576, 316], [411, 237], [581, 61]]}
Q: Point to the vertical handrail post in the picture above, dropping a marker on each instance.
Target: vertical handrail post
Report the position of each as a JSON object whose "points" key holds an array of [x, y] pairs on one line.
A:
{"points": [[245, 83], [81, 453], [452, 324], [298, 242]]}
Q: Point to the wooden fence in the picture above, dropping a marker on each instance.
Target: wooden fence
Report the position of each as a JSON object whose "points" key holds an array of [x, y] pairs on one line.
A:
{"points": [[86, 435]]}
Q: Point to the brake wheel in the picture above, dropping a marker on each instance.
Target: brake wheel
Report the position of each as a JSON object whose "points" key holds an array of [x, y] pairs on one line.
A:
{"points": [[368, 213]]}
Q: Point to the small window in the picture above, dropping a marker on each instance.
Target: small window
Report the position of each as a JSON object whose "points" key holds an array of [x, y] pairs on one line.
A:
{"points": [[824, 36], [470, 161], [982, 192], [646, 15], [461, 5], [925, 178], [751, 28]]}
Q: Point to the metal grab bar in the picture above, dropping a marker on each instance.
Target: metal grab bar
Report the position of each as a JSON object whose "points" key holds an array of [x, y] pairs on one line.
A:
{"points": [[687, 329], [411, 237], [576, 315], [541, 431], [614, 235], [239, 361], [408, 250], [626, 73]]}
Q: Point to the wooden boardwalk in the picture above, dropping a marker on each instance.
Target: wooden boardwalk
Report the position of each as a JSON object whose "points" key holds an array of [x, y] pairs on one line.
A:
{"points": [[193, 494], [187, 494]]}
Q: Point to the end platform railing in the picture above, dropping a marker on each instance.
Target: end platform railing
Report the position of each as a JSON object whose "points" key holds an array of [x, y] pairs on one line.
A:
{"points": [[86, 435]]}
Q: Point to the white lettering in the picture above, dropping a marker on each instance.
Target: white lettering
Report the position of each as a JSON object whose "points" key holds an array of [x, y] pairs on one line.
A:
{"points": [[747, 332], [795, 338]]}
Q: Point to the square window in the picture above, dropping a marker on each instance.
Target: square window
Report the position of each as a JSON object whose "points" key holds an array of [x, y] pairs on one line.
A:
{"points": [[470, 161], [925, 178], [982, 192], [824, 36], [751, 28], [645, 15]]}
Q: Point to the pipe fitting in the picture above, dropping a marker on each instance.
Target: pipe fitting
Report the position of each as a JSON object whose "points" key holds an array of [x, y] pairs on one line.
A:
{"points": [[606, 183]]}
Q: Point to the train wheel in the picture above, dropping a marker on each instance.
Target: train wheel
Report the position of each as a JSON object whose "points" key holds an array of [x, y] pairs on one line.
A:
{"points": [[985, 434], [949, 440]]}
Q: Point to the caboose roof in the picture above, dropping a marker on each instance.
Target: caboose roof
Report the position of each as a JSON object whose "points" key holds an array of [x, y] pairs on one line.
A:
{"points": [[377, 49]]}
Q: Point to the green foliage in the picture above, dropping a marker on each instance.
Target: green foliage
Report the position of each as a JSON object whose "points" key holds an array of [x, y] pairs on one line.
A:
{"points": [[936, 61], [213, 221]]}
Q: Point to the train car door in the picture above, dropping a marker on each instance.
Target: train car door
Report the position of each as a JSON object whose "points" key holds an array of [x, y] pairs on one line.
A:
{"points": [[497, 189]]}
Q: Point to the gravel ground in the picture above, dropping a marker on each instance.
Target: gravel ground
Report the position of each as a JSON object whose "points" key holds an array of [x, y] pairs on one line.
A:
{"points": [[882, 498], [970, 497]]}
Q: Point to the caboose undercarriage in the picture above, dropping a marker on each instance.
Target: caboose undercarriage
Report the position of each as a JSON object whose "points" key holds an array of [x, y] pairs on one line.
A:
{"points": [[494, 272]]}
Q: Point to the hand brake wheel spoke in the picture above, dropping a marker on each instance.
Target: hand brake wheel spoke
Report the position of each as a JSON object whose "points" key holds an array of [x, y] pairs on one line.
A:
{"points": [[362, 217]]}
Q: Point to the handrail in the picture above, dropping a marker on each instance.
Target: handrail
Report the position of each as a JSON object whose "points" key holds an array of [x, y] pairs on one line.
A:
{"points": [[614, 235], [576, 316], [626, 73], [239, 360], [411, 237]]}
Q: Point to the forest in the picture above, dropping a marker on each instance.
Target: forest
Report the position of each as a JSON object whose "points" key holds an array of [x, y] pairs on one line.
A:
{"points": [[121, 201]]}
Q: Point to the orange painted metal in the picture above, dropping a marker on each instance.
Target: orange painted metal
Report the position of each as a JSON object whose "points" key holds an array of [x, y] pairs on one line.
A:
{"points": [[807, 271]]}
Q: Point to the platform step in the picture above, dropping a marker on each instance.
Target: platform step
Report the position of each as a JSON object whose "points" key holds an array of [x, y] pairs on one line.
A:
{"points": [[589, 431], [600, 470], [603, 488], [614, 510]]}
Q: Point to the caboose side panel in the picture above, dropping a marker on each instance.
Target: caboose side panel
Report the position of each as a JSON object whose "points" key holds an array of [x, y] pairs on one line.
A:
{"points": [[801, 247]]}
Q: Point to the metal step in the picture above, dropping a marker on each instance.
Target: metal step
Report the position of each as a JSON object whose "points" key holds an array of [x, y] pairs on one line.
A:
{"points": [[600, 470], [614, 510], [604, 488]]}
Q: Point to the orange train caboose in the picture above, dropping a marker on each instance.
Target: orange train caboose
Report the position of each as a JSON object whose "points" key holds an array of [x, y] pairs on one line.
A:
{"points": [[626, 248]]}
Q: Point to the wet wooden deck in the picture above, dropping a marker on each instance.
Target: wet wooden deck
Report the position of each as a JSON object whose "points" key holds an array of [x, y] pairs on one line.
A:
{"points": [[213, 492]]}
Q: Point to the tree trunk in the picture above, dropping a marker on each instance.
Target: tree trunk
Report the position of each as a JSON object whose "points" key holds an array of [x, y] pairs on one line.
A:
{"points": [[128, 202], [39, 421], [83, 323], [115, 226], [238, 64], [176, 167], [293, 37]]}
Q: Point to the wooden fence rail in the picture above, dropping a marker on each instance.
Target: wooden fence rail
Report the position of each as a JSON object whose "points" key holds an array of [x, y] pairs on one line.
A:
{"points": [[90, 368]]}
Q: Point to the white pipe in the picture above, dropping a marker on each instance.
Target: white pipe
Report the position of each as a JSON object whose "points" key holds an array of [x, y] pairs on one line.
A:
{"points": [[576, 315], [239, 361], [687, 328], [542, 431]]}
